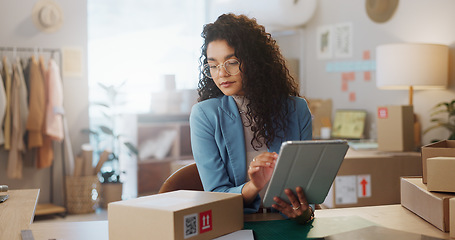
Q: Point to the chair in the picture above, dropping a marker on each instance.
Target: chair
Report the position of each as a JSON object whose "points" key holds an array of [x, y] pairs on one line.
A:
{"points": [[186, 178]]}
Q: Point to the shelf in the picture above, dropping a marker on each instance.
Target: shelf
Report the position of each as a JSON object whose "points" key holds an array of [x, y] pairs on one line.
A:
{"points": [[152, 172], [167, 159], [48, 209]]}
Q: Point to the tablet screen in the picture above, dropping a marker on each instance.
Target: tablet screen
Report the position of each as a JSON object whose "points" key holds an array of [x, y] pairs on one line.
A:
{"points": [[313, 165]]}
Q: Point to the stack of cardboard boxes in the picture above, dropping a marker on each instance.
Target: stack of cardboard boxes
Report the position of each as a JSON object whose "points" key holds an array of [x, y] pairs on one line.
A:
{"points": [[432, 196], [371, 178]]}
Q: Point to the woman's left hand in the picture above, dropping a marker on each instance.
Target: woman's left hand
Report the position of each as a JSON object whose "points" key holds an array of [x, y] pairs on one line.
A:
{"points": [[298, 204]]}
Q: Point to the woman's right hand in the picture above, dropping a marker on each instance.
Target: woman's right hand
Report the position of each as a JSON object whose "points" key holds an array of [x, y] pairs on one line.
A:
{"points": [[261, 169]]}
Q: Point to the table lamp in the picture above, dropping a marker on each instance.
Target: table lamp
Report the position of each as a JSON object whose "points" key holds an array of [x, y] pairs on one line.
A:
{"points": [[407, 66], [412, 66]]}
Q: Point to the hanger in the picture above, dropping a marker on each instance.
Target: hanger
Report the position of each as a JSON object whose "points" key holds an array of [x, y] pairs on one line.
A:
{"points": [[35, 52]]}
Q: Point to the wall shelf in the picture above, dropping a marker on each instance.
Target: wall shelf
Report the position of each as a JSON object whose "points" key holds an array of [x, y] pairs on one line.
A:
{"points": [[152, 171]]}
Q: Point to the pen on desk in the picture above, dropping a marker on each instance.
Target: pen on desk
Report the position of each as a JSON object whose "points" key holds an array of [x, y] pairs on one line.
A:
{"points": [[3, 188], [3, 198]]}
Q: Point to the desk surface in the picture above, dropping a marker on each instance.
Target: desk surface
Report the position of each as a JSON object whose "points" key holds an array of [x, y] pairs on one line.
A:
{"points": [[17, 212], [391, 216]]}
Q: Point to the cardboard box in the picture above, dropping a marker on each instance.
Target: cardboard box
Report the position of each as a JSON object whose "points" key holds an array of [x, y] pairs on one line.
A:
{"points": [[395, 128], [370, 178], [445, 148], [452, 217], [431, 206], [176, 215], [441, 174], [321, 110]]}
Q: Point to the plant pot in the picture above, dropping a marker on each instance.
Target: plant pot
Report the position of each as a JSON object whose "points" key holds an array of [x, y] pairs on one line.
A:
{"points": [[110, 192]]}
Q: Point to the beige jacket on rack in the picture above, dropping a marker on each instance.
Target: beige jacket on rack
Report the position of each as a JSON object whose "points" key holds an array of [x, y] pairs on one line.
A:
{"points": [[7, 125], [37, 106], [45, 152], [2, 109], [19, 114]]}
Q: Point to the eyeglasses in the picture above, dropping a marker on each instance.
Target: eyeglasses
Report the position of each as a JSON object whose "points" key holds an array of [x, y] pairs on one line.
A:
{"points": [[232, 67]]}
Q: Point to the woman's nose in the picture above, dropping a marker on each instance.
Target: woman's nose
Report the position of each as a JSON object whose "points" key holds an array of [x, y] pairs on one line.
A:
{"points": [[222, 72]]}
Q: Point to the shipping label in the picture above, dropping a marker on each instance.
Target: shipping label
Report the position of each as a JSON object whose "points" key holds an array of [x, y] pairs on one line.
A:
{"points": [[345, 189]]}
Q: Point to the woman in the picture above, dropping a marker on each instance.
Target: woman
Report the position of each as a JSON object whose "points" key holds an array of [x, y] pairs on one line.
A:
{"points": [[248, 105]]}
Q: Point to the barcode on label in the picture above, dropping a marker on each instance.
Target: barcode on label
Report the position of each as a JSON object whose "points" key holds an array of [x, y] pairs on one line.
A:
{"points": [[190, 225]]}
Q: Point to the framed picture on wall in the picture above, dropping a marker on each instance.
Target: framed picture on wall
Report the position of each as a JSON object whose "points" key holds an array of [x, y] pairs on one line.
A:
{"points": [[343, 40], [324, 42]]}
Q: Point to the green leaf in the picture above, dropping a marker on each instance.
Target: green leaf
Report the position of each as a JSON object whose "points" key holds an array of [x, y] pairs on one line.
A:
{"points": [[431, 128], [113, 157], [448, 126], [101, 104], [438, 112], [103, 86], [132, 148], [108, 116], [452, 136], [437, 120], [89, 131], [107, 130]]}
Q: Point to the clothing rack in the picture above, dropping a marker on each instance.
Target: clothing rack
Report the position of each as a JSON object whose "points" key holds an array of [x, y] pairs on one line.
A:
{"points": [[36, 51], [52, 51], [25, 49]]}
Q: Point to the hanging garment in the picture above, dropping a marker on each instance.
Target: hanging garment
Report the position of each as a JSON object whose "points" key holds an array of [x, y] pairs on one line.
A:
{"points": [[19, 112], [23, 104], [2, 108], [7, 124], [54, 108], [26, 67], [45, 152], [37, 106]]}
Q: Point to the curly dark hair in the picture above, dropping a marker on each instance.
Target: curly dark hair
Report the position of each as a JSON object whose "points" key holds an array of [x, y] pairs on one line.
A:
{"points": [[267, 83]]}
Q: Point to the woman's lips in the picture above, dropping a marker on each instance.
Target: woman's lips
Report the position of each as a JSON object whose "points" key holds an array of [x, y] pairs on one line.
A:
{"points": [[226, 84]]}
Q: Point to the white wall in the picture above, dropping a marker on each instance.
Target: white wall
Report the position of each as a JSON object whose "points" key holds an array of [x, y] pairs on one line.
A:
{"points": [[17, 29], [414, 21]]}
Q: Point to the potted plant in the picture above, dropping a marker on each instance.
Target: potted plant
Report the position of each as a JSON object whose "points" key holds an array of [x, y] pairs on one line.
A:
{"points": [[447, 109], [105, 135]]}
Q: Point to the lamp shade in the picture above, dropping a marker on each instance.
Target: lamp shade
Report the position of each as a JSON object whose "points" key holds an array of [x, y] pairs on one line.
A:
{"points": [[416, 65]]}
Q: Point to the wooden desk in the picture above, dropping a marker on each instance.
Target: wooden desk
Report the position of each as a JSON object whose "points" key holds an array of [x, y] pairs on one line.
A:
{"points": [[17, 212], [96, 230], [390, 216]]}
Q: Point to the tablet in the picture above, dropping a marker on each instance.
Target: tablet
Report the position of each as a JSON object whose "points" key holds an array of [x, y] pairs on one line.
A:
{"points": [[313, 165]]}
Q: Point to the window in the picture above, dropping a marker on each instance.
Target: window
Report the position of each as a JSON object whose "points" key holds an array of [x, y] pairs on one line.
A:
{"points": [[140, 41]]}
